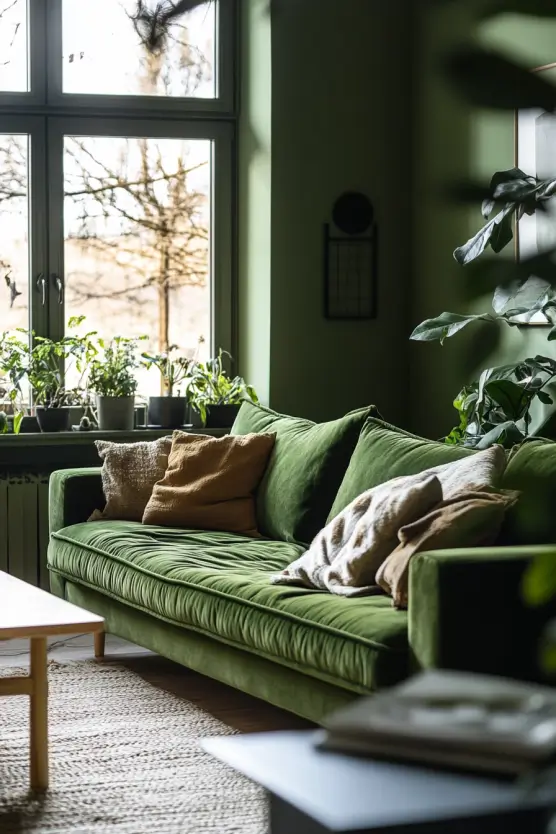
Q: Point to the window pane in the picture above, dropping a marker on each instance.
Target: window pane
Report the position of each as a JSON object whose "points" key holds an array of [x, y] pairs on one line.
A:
{"points": [[14, 240], [105, 52], [13, 46], [137, 240]]}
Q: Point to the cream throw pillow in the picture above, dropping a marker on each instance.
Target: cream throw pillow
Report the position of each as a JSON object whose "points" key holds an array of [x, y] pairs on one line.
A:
{"points": [[346, 555], [471, 473], [129, 473]]}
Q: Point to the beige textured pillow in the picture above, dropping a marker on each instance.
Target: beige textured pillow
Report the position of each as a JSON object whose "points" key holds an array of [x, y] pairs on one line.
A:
{"points": [[470, 519], [474, 472], [210, 483], [345, 556], [129, 473]]}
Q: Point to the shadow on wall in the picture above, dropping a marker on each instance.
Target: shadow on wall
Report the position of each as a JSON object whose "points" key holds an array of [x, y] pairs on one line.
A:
{"points": [[442, 156]]}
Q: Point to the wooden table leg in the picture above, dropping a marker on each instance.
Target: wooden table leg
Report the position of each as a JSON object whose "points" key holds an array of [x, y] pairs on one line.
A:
{"points": [[99, 644], [39, 715]]}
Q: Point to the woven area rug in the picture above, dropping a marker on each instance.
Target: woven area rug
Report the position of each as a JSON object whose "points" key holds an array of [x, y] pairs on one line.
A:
{"points": [[125, 758]]}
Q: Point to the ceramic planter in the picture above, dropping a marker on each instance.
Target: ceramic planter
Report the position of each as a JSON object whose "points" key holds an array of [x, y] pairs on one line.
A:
{"points": [[116, 413], [221, 416], [53, 419], [167, 412]]}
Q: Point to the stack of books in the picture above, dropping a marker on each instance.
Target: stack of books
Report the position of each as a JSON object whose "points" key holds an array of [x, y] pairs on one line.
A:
{"points": [[452, 719]]}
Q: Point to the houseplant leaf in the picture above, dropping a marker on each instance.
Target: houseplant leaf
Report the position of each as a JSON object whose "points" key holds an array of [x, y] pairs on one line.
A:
{"points": [[506, 434], [509, 395], [545, 398], [444, 326], [476, 245], [502, 234]]}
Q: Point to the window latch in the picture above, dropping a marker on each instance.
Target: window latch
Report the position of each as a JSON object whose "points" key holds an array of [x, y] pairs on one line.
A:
{"points": [[41, 287], [60, 287]]}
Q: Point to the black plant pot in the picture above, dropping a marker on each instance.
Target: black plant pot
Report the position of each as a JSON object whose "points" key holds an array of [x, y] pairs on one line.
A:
{"points": [[167, 412], [221, 416], [29, 424], [194, 418], [53, 419]]}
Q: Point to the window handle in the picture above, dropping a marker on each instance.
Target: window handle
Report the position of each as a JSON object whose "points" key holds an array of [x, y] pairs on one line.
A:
{"points": [[41, 287], [60, 286]]}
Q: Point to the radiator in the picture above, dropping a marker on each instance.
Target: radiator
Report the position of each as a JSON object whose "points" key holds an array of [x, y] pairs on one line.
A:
{"points": [[24, 527]]}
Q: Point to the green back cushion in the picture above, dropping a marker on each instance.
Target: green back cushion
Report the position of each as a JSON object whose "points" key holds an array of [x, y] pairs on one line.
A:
{"points": [[532, 471], [305, 469], [384, 452]]}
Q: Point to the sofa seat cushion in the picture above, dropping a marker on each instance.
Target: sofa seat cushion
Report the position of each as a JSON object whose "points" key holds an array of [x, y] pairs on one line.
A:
{"points": [[218, 584]]}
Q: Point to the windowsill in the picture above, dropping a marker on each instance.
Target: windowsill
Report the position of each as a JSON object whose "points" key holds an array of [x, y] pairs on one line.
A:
{"points": [[77, 438], [45, 452]]}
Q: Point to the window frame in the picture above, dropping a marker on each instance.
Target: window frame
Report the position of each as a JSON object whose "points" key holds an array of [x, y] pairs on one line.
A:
{"points": [[36, 61], [220, 266], [222, 104], [33, 128], [46, 114]]}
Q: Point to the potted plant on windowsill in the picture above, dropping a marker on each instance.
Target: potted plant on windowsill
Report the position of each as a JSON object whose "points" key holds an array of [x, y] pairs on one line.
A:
{"points": [[42, 363], [214, 395], [113, 381], [168, 410]]}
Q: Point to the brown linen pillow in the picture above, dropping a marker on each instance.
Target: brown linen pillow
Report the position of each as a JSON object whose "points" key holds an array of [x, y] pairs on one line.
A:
{"points": [[470, 519], [129, 473], [210, 483]]}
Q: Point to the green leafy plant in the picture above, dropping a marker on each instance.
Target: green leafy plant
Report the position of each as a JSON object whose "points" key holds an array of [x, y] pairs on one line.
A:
{"points": [[28, 360], [211, 385], [173, 371], [112, 370], [496, 408]]}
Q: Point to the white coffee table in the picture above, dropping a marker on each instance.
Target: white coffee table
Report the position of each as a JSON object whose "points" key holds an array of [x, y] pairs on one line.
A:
{"points": [[26, 611]]}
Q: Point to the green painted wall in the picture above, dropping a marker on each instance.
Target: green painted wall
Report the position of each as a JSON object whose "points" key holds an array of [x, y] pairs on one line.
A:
{"points": [[254, 204], [455, 142], [340, 88], [442, 154]]}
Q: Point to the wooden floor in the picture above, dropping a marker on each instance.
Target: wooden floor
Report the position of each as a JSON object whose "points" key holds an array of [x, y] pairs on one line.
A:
{"points": [[237, 710]]}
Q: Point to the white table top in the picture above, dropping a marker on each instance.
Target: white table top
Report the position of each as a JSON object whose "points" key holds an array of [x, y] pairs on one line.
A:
{"points": [[348, 793], [26, 611]]}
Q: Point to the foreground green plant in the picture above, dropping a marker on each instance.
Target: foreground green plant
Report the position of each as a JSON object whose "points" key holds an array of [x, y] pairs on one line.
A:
{"points": [[496, 408]]}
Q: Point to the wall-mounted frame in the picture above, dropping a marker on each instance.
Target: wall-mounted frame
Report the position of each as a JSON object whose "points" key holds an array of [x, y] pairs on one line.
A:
{"points": [[535, 154], [350, 259]]}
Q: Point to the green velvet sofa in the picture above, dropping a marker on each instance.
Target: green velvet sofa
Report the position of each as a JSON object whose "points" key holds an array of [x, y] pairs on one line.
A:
{"points": [[204, 599]]}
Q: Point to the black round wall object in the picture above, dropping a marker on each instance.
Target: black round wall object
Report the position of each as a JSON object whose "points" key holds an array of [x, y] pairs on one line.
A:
{"points": [[353, 213]]}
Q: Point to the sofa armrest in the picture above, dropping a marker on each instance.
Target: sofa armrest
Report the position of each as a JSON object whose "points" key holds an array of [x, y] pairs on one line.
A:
{"points": [[467, 611], [73, 495]]}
